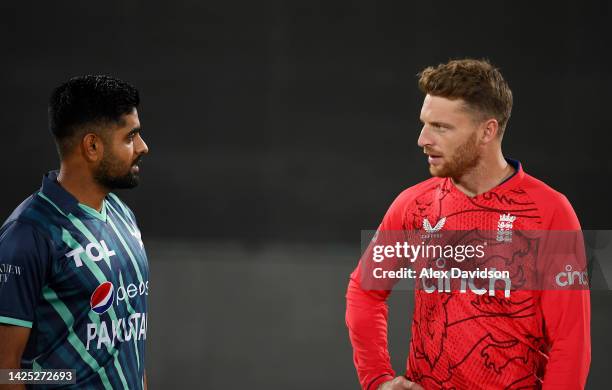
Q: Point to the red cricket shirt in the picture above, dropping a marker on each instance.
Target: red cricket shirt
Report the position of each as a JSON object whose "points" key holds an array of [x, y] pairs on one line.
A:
{"points": [[532, 339]]}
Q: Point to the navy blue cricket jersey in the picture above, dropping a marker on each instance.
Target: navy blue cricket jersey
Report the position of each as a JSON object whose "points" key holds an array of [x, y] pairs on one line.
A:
{"points": [[79, 279]]}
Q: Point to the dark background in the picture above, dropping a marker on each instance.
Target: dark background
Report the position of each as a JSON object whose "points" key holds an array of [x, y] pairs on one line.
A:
{"points": [[278, 130]]}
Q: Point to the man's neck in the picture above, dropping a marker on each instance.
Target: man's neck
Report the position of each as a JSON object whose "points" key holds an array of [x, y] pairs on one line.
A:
{"points": [[488, 174], [82, 186]]}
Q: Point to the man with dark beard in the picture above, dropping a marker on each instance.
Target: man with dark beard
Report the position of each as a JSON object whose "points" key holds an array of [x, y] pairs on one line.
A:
{"points": [[468, 339], [73, 294]]}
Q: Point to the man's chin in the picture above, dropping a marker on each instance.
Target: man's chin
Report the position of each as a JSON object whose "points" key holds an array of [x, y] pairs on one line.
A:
{"points": [[130, 182], [120, 183], [437, 171]]}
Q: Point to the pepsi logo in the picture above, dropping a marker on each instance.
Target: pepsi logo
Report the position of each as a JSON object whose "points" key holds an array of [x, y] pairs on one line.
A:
{"points": [[102, 298]]}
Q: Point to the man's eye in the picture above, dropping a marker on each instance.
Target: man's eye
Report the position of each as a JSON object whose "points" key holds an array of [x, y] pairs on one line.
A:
{"points": [[438, 127]]}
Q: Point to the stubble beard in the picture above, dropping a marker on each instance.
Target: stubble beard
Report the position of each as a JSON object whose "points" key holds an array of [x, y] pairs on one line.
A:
{"points": [[465, 158]]}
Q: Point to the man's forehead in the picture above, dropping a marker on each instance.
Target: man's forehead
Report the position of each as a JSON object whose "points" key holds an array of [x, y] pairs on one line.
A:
{"points": [[130, 121], [436, 106]]}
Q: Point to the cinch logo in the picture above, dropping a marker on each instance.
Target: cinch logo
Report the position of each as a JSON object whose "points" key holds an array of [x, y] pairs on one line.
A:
{"points": [[569, 278], [94, 251], [102, 298]]}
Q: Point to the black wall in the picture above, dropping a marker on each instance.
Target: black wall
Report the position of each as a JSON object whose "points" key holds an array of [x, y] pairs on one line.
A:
{"points": [[295, 122], [298, 120]]}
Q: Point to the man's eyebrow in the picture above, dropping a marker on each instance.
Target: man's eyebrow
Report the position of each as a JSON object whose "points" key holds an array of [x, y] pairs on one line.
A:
{"points": [[134, 131], [438, 124], [442, 124]]}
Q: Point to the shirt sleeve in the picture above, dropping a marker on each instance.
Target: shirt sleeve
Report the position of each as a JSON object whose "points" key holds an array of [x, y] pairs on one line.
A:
{"points": [[24, 256], [567, 319], [366, 316]]}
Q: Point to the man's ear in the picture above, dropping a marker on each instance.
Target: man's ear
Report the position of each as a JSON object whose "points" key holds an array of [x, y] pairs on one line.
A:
{"points": [[92, 147], [490, 130]]}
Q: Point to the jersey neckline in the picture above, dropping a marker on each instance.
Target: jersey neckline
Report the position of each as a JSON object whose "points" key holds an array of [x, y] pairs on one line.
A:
{"points": [[510, 182], [101, 215], [66, 202]]}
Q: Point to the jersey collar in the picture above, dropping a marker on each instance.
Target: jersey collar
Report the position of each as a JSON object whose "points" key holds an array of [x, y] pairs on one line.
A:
{"points": [[63, 199], [510, 182], [513, 180]]}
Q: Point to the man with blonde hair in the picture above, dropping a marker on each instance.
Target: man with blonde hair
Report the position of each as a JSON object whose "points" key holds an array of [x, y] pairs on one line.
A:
{"points": [[463, 339]]}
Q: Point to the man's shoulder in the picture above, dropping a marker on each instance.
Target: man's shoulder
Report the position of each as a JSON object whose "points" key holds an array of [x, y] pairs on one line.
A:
{"points": [[115, 201], [542, 193], [395, 218], [31, 211], [411, 193], [32, 217], [120, 206], [553, 204]]}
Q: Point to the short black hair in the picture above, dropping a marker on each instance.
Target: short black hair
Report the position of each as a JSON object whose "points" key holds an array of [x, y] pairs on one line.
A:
{"points": [[91, 99]]}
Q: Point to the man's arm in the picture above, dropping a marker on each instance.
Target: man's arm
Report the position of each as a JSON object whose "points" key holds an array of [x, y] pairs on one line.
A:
{"points": [[567, 314], [366, 319], [367, 311], [26, 253], [13, 340], [567, 319]]}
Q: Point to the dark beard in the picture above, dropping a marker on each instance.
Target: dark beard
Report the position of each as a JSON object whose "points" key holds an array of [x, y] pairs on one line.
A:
{"points": [[106, 174]]}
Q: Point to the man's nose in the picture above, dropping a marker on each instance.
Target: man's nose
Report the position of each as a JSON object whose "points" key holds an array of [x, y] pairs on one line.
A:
{"points": [[424, 138], [142, 146]]}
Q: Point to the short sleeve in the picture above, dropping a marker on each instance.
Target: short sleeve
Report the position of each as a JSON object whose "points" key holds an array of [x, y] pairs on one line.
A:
{"points": [[24, 258]]}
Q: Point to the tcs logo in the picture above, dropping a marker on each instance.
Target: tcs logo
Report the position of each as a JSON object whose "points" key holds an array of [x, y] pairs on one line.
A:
{"points": [[94, 251]]}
